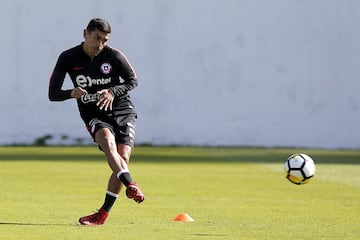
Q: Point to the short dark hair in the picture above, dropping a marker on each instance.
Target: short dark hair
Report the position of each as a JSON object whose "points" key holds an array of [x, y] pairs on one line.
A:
{"points": [[100, 24]]}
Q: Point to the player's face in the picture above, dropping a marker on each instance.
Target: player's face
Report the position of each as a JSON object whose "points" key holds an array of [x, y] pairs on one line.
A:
{"points": [[95, 41]]}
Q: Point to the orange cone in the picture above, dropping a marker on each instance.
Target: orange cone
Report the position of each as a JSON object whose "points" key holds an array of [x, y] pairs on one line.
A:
{"points": [[183, 217]]}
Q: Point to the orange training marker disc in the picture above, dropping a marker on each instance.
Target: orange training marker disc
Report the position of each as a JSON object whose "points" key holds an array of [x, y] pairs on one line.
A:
{"points": [[183, 217]]}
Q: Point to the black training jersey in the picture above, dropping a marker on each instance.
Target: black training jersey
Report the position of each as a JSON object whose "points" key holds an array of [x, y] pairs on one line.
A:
{"points": [[110, 69]]}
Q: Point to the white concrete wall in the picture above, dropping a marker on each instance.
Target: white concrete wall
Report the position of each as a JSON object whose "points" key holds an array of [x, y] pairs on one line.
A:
{"points": [[231, 72]]}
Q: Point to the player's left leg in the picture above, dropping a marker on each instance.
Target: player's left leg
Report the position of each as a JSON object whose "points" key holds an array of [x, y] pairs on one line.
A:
{"points": [[118, 156], [132, 191]]}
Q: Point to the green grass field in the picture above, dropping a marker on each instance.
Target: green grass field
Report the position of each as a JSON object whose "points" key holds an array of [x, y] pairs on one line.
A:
{"points": [[232, 193]]}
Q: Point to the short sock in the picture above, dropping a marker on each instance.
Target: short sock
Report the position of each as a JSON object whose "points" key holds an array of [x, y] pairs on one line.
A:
{"points": [[110, 199], [125, 178]]}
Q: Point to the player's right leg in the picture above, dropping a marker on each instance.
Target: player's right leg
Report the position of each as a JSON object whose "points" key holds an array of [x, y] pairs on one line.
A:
{"points": [[112, 193], [121, 174]]}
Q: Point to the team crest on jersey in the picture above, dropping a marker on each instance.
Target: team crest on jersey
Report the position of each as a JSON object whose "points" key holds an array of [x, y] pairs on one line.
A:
{"points": [[105, 68]]}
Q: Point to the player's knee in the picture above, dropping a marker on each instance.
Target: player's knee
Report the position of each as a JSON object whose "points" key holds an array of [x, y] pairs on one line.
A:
{"points": [[125, 152], [125, 156], [106, 142]]}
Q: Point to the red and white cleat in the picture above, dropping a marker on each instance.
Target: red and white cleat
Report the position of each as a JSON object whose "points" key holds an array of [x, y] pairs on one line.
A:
{"points": [[133, 191], [97, 218]]}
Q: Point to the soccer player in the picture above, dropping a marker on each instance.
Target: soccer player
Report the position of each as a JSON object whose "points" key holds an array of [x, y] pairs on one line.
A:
{"points": [[102, 77]]}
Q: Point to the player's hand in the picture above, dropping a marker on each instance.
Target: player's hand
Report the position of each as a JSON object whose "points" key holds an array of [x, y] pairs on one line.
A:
{"points": [[105, 100], [78, 92]]}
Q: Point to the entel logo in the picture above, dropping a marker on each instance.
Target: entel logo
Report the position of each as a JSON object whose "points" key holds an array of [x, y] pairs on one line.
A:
{"points": [[86, 81]]}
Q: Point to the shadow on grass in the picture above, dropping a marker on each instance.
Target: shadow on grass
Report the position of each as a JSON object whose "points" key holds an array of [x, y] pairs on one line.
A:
{"points": [[37, 224], [180, 154], [207, 235]]}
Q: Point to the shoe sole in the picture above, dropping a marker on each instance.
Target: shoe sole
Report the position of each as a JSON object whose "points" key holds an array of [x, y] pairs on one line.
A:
{"points": [[87, 223]]}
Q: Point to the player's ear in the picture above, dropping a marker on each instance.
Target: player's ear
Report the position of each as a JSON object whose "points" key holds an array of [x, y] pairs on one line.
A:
{"points": [[85, 33]]}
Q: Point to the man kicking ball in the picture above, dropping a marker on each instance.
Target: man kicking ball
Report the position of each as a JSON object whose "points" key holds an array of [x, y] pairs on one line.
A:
{"points": [[102, 77]]}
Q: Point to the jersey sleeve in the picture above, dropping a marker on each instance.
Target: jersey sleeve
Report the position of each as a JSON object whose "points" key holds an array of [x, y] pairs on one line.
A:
{"points": [[127, 73], [56, 93]]}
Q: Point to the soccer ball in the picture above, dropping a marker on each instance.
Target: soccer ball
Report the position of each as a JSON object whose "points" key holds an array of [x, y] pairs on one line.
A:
{"points": [[299, 168]]}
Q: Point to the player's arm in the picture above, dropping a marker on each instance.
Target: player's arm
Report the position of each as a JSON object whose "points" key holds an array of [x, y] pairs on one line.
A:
{"points": [[56, 93], [128, 74]]}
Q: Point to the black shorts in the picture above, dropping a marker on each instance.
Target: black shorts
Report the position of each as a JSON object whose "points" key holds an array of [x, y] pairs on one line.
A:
{"points": [[123, 126]]}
